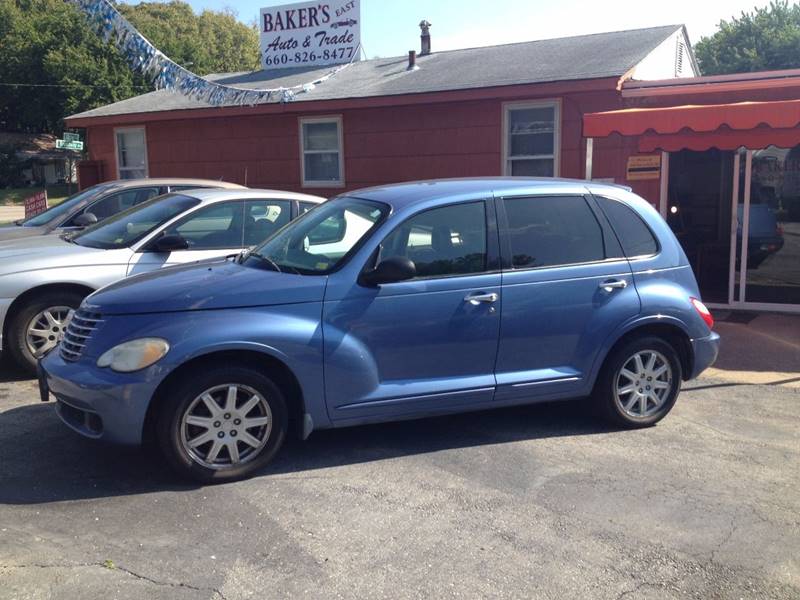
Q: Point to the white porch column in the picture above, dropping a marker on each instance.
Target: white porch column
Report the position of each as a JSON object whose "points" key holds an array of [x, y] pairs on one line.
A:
{"points": [[663, 195], [589, 157]]}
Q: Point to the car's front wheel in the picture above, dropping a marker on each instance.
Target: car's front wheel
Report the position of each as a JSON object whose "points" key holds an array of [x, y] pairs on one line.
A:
{"points": [[222, 425], [640, 382], [36, 328]]}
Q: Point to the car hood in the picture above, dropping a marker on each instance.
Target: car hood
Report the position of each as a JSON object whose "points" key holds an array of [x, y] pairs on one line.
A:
{"points": [[15, 232], [44, 252], [206, 285]]}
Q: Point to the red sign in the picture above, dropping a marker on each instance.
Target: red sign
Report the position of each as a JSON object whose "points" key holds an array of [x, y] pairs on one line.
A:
{"points": [[36, 204]]}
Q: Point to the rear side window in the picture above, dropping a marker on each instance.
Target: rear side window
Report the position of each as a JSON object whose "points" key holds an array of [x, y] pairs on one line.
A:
{"points": [[634, 235], [546, 231]]}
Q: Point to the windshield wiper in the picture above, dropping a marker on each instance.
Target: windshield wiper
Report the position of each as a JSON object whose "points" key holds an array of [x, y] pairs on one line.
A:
{"points": [[263, 258]]}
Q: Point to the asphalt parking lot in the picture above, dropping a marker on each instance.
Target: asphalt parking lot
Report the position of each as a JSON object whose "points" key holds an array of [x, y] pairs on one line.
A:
{"points": [[533, 502]]}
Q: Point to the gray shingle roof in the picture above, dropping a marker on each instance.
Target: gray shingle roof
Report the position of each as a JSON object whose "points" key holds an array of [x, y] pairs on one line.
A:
{"points": [[563, 59]]}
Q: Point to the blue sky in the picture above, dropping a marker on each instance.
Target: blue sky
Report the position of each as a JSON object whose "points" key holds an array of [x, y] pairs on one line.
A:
{"points": [[390, 26]]}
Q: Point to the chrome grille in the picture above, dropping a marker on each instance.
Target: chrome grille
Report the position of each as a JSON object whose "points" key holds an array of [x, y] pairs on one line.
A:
{"points": [[78, 332]]}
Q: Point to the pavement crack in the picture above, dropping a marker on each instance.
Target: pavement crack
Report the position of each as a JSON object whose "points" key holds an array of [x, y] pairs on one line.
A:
{"points": [[731, 530], [705, 426], [129, 572], [179, 584], [636, 588]]}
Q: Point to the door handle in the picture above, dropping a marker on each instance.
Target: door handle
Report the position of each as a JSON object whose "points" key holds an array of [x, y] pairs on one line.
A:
{"points": [[476, 299], [613, 284]]}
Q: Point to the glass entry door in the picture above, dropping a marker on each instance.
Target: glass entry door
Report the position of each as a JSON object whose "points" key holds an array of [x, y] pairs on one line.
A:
{"points": [[767, 236], [700, 188]]}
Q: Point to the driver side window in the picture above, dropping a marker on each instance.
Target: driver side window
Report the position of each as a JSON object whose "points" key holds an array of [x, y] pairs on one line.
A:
{"points": [[443, 241], [214, 227], [115, 203]]}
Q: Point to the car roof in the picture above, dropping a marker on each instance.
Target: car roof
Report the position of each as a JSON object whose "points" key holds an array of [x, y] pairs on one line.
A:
{"points": [[405, 194], [216, 195], [182, 181]]}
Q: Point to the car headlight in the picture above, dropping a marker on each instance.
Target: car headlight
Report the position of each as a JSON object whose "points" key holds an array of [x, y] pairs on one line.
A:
{"points": [[134, 355]]}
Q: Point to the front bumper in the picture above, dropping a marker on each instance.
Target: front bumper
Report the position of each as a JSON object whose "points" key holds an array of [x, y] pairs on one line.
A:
{"points": [[704, 351], [99, 403]]}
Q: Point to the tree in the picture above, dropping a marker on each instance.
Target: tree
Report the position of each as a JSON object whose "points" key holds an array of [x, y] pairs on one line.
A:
{"points": [[52, 64], [213, 42], [766, 39]]}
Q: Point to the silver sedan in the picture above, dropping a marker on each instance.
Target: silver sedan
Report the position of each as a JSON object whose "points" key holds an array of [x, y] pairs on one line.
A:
{"points": [[99, 202], [42, 279]]}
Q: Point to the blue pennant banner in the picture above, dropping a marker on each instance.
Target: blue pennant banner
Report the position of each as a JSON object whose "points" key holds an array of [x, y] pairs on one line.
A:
{"points": [[143, 57]]}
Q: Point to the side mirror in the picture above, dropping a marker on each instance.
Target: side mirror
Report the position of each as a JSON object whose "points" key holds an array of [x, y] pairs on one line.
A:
{"points": [[391, 270], [169, 243], [85, 219]]}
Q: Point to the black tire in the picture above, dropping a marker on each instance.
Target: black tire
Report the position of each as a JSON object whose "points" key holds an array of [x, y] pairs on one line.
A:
{"points": [[607, 403], [16, 331], [179, 399]]}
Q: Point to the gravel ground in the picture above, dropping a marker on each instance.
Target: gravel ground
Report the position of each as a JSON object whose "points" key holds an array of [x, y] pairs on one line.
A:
{"points": [[533, 502]]}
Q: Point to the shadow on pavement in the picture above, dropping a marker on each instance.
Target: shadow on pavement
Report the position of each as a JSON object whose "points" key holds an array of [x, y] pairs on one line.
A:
{"points": [[10, 372], [43, 461]]}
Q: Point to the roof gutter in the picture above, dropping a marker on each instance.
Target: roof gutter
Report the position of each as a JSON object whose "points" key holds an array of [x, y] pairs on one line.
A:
{"points": [[739, 82]]}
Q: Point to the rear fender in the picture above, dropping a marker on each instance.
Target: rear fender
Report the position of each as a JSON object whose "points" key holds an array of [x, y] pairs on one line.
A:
{"points": [[642, 322]]}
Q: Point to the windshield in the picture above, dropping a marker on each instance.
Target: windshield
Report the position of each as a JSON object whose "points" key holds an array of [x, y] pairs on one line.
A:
{"points": [[321, 239], [128, 227], [64, 208]]}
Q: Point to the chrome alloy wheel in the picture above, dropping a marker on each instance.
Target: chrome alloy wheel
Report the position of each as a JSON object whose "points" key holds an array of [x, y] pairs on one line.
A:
{"points": [[643, 384], [225, 426], [46, 329]]}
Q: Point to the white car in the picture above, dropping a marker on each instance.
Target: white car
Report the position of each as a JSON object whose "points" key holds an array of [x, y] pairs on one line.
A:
{"points": [[43, 278]]}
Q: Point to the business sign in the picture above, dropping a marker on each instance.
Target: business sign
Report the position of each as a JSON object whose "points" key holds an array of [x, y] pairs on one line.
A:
{"points": [[71, 137], [35, 204], [644, 167], [310, 34]]}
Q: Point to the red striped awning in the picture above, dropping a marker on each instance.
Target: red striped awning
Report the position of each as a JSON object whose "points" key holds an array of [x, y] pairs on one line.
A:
{"points": [[722, 139], [781, 114]]}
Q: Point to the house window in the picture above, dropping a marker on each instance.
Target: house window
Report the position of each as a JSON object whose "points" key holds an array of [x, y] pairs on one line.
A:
{"points": [[131, 153], [532, 134], [321, 152]]}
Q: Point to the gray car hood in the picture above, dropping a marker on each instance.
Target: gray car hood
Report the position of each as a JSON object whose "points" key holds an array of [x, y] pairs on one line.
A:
{"points": [[15, 232], [43, 252]]}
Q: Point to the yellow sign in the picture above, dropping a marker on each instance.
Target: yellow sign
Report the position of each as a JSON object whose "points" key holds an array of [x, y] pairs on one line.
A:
{"points": [[644, 167]]}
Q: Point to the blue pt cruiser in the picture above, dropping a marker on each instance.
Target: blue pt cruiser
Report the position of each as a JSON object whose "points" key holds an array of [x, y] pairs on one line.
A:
{"points": [[389, 303]]}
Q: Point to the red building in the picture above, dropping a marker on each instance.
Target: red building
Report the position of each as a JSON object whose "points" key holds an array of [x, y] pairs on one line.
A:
{"points": [[514, 109], [719, 156]]}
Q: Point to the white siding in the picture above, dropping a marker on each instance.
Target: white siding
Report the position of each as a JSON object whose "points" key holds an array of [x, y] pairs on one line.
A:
{"points": [[672, 58]]}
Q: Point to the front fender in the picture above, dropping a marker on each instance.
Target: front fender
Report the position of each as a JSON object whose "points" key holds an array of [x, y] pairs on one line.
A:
{"points": [[14, 285], [289, 333]]}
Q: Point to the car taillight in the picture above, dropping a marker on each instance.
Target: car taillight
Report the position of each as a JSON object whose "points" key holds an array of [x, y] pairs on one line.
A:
{"points": [[703, 311], [779, 230]]}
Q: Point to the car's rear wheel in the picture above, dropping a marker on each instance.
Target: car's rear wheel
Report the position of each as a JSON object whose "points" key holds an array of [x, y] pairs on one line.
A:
{"points": [[37, 327], [640, 382], [222, 425]]}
